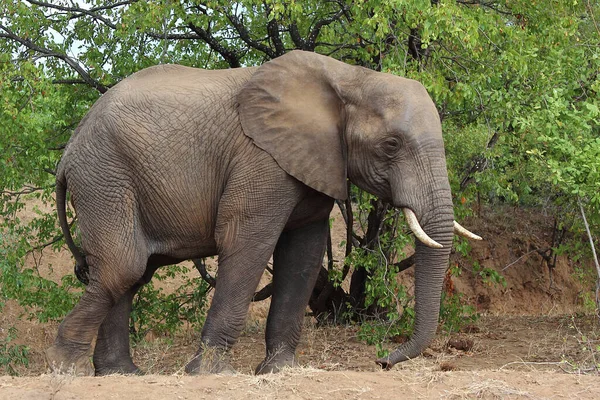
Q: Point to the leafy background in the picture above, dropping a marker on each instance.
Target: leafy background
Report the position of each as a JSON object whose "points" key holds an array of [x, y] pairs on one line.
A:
{"points": [[515, 81]]}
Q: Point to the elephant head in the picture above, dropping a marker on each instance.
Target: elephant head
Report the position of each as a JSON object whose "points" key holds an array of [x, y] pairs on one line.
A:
{"points": [[324, 121]]}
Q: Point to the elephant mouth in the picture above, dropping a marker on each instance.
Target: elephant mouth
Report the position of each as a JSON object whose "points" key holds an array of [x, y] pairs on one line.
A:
{"points": [[420, 234], [415, 227]]}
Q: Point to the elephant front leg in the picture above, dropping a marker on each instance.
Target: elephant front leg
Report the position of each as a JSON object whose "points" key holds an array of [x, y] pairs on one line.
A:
{"points": [[112, 353], [296, 264], [241, 265], [238, 276], [252, 212]]}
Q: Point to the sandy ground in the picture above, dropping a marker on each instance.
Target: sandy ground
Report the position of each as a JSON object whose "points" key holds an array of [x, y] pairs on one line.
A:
{"points": [[312, 384], [497, 358], [532, 341]]}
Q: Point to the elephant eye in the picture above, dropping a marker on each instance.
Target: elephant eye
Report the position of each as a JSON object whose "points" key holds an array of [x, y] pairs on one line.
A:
{"points": [[390, 145]]}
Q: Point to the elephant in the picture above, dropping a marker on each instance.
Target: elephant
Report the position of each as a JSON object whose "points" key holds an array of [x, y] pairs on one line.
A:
{"points": [[176, 163]]}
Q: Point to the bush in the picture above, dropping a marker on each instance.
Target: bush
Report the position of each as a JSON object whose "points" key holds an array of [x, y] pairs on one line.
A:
{"points": [[11, 354]]}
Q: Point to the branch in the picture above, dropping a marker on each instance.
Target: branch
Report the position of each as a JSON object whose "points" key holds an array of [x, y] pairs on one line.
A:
{"points": [[263, 293], [69, 82], [49, 53], [406, 263], [175, 36], [591, 11], [201, 267], [245, 36], [50, 243], [587, 229], [356, 240], [414, 44], [479, 163], [231, 56], [489, 4], [336, 47], [296, 37], [316, 30], [26, 190], [59, 147], [273, 30], [349, 218], [542, 253], [80, 11]]}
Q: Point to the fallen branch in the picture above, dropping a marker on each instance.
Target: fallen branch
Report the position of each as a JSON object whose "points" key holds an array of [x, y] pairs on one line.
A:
{"points": [[406, 263], [262, 294], [201, 267], [519, 259]]}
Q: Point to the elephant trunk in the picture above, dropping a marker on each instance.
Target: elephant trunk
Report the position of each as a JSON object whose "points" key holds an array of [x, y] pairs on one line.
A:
{"points": [[430, 270]]}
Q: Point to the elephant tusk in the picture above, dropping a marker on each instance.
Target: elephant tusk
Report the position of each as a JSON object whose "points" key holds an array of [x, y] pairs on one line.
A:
{"points": [[415, 227], [459, 230]]}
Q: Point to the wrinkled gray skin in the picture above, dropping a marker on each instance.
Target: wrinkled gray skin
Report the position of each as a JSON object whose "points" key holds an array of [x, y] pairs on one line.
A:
{"points": [[175, 163]]}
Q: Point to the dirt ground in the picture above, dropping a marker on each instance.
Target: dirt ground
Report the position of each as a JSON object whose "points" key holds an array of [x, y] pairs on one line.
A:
{"points": [[535, 339], [312, 384]]}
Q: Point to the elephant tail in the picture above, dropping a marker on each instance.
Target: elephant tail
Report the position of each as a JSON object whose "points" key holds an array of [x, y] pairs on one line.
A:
{"points": [[81, 267]]}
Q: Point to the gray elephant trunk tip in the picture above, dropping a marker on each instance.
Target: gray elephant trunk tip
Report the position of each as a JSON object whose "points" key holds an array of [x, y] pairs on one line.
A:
{"points": [[399, 355], [384, 363]]}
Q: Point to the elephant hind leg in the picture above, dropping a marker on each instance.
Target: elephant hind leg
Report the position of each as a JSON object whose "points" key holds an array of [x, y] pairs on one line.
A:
{"points": [[112, 352], [114, 270]]}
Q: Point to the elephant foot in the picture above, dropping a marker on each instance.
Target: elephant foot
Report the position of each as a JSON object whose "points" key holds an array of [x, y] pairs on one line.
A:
{"points": [[69, 362], [275, 363], [126, 369], [114, 362], [210, 360]]}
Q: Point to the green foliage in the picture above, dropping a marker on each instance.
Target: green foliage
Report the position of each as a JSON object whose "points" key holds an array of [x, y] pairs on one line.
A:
{"points": [[42, 299], [488, 276], [589, 351], [587, 279], [461, 246], [12, 354], [166, 314], [516, 83], [455, 313], [382, 289], [378, 332]]}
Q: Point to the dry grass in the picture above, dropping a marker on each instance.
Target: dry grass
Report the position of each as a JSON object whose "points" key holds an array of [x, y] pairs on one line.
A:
{"points": [[488, 389]]}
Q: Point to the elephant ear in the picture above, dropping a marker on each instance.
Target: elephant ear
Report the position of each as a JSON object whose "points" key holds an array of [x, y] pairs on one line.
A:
{"points": [[291, 109]]}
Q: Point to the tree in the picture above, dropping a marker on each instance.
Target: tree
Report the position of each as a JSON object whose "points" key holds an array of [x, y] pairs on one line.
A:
{"points": [[516, 84]]}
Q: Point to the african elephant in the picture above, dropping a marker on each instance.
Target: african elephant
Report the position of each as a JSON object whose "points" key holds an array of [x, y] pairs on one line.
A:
{"points": [[176, 163]]}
